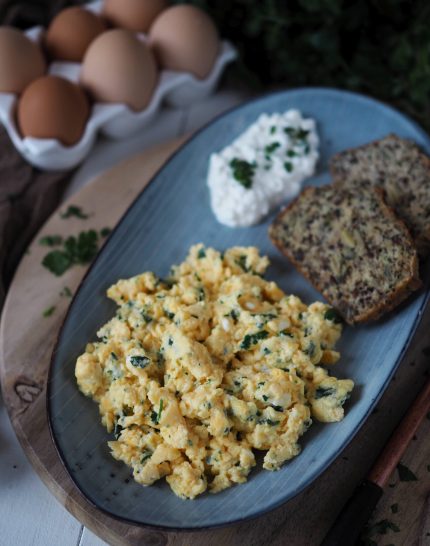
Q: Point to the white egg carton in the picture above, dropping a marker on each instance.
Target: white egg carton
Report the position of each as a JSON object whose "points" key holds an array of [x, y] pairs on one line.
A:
{"points": [[114, 120]]}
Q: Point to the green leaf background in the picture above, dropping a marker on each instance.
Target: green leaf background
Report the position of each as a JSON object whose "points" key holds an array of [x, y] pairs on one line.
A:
{"points": [[379, 47]]}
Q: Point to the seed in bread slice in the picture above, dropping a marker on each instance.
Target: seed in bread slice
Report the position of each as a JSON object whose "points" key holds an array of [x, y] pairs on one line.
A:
{"points": [[402, 170], [350, 245]]}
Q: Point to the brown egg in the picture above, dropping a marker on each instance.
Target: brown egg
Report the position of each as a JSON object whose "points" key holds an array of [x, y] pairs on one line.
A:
{"points": [[118, 67], [52, 107], [184, 38], [136, 15], [71, 32], [21, 61]]}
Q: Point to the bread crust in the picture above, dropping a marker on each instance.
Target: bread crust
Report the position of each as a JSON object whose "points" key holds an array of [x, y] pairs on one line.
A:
{"points": [[421, 239], [401, 291]]}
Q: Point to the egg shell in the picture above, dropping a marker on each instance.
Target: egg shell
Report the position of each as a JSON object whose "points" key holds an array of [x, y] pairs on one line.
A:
{"points": [[21, 61], [71, 32], [120, 68], [185, 39], [53, 108], [136, 15]]}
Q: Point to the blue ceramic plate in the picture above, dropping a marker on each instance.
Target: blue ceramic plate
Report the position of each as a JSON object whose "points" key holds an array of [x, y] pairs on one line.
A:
{"points": [[169, 216]]}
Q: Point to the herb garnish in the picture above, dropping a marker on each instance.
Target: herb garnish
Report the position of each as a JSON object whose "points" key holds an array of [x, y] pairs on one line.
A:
{"points": [[104, 232], [51, 240], [241, 262], [252, 339], [155, 417], [322, 392], [201, 253], [139, 361], [66, 292], [288, 166], [145, 456], [117, 430], [333, 315], [78, 250], [49, 311], [243, 171], [74, 210], [406, 474], [270, 148]]}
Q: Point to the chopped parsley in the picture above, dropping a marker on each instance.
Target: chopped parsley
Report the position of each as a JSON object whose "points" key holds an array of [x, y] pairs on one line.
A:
{"points": [[49, 311], [272, 130], [51, 240], [405, 473], [169, 315], [278, 408], [79, 250], [74, 210], [296, 134], [147, 318], [104, 232], [201, 294], [322, 392], [252, 339], [117, 430], [310, 349], [241, 262], [291, 153], [139, 361], [288, 166], [243, 171], [333, 315], [268, 421], [155, 416], [66, 292], [270, 148], [145, 456], [201, 253]]}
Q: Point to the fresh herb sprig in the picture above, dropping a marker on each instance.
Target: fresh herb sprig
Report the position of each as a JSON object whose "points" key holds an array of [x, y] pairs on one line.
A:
{"points": [[76, 250]]}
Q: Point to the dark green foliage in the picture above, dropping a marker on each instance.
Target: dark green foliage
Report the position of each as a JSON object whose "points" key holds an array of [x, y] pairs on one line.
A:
{"points": [[379, 47]]}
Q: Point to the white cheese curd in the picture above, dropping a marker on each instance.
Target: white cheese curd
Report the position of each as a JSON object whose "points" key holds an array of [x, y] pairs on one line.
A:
{"points": [[264, 166]]}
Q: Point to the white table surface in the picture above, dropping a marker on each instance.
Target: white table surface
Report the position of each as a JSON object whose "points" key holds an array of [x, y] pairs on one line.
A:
{"points": [[29, 514]]}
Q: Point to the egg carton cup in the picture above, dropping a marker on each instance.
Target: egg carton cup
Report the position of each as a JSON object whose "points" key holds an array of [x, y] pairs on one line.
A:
{"points": [[178, 89]]}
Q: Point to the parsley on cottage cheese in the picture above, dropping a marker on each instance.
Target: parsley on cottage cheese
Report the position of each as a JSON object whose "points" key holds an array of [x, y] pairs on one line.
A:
{"points": [[264, 166]]}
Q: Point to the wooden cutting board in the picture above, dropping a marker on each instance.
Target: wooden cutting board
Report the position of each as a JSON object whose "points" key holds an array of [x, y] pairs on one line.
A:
{"points": [[26, 342]]}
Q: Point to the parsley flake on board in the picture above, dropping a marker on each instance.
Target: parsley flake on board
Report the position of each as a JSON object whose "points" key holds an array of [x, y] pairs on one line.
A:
{"points": [[104, 232], [74, 210], [66, 292], [51, 240], [243, 171], [49, 311], [79, 250], [405, 474]]}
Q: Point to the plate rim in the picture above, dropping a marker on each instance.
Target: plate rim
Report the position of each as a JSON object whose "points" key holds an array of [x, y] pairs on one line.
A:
{"points": [[362, 97]]}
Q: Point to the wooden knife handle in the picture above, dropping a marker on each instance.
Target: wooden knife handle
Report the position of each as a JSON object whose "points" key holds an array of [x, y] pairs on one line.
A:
{"points": [[354, 516]]}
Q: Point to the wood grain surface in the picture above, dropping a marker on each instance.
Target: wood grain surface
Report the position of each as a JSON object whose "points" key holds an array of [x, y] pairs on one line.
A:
{"points": [[26, 343]]}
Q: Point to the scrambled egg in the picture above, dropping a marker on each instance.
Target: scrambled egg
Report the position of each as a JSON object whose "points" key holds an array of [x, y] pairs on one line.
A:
{"points": [[196, 371]]}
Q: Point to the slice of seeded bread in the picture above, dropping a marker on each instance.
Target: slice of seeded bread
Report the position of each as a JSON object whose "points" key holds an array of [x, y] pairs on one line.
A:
{"points": [[402, 170], [350, 245]]}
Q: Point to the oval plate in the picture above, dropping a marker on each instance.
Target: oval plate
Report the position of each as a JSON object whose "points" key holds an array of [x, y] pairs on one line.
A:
{"points": [[169, 216]]}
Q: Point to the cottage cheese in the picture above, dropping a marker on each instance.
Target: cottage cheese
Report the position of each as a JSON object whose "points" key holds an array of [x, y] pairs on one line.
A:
{"points": [[264, 166]]}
